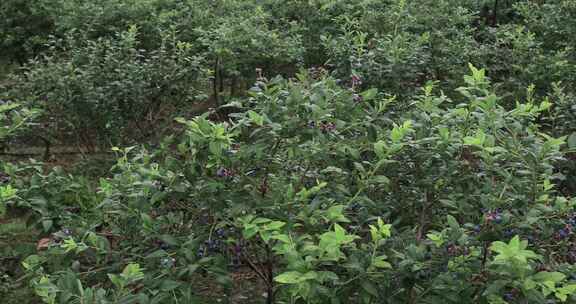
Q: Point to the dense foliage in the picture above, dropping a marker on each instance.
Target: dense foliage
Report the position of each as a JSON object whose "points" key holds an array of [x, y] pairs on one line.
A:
{"points": [[354, 151]]}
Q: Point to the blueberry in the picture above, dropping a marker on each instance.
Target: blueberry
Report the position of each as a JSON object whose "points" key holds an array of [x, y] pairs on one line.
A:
{"points": [[572, 259], [223, 172], [498, 219], [509, 232], [220, 232], [4, 178], [477, 228], [201, 251], [563, 233], [508, 296], [452, 250], [167, 262], [356, 81]]}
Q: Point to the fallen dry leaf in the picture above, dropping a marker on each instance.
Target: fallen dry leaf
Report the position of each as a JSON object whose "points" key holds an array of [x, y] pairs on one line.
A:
{"points": [[43, 244]]}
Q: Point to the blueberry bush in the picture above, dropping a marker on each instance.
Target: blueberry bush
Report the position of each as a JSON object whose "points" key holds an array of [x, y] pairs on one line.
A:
{"points": [[344, 152]]}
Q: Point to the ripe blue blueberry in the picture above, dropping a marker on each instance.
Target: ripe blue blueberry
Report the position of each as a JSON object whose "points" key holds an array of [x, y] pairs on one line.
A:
{"points": [[220, 232], [509, 232], [167, 262], [498, 219], [494, 216], [356, 81], [564, 233], [477, 228]]}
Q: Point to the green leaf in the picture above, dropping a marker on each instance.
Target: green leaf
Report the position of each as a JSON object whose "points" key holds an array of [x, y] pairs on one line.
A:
{"points": [[369, 94], [47, 225], [290, 277], [132, 272], [399, 132], [384, 229], [116, 280], [7, 193], [261, 220], [380, 179], [324, 276], [249, 231], [169, 239], [452, 222], [478, 140], [335, 214], [256, 118], [563, 292], [436, 238], [572, 141], [282, 237], [275, 225], [380, 149], [544, 276], [380, 262], [168, 285], [514, 251], [370, 288]]}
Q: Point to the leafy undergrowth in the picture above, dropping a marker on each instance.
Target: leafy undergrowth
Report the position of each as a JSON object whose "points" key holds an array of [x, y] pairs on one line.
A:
{"points": [[356, 154], [17, 241], [315, 193]]}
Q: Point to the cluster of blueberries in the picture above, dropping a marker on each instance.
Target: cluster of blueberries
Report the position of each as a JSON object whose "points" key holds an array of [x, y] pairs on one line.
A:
{"points": [[167, 262], [212, 245], [217, 245], [356, 81], [571, 258], [494, 216], [317, 72], [511, 295], [490, 217], [4, 178], [324, 126], [63, 234], [454, 250], [568, 229], [225, 173]]}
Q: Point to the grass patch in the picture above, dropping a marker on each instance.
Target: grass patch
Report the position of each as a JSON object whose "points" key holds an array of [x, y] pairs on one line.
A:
{"points": [[16, 242]]}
